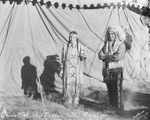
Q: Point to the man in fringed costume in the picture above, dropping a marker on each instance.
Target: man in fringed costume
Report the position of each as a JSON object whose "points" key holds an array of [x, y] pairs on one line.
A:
{"points": [[117, 42]]}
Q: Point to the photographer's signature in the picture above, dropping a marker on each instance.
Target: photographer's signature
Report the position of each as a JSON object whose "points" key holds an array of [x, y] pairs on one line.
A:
{"points": [[143, 115]]}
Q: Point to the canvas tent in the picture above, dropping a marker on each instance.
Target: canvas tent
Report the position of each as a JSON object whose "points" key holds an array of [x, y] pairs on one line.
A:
{"points": [[40, 28]]}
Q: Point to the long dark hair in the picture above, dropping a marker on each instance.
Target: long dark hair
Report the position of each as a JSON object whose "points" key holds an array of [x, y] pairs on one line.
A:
{"points": [[75, 33]]}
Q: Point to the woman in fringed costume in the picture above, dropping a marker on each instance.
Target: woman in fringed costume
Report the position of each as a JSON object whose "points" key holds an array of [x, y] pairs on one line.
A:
{"points": [[73, 54]]}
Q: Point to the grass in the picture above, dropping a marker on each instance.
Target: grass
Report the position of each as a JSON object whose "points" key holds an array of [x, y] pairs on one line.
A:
{"points": [[94, 107]]}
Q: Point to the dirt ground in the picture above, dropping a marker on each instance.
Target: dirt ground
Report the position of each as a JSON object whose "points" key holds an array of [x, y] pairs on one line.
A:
{"points": [[136, 104], [94, 106]]}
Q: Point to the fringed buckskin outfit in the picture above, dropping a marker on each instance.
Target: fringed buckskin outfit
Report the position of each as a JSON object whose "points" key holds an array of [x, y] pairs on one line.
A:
{"points": [[112, 56], [72, 72]]}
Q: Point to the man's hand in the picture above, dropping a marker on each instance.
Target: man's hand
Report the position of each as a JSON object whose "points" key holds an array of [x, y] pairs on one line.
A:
{"points": [[61, 73]]}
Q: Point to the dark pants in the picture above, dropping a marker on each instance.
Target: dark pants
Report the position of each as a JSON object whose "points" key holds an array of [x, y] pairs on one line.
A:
{"points": [[115, 93]]}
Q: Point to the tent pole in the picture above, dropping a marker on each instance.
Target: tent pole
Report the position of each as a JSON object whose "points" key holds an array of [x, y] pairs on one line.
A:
{"points": [[42, 96], [36, 66]]}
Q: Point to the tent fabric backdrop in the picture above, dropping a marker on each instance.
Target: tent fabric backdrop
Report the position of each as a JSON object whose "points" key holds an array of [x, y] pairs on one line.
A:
{"points": [[37, 31]]}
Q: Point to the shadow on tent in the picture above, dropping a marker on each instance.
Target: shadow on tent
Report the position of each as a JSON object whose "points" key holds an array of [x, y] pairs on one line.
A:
{"points": [[51, 67], [29, 79]]}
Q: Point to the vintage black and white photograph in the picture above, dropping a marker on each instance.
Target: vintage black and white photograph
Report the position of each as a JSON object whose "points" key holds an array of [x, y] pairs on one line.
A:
{"points": [[74, 59]]}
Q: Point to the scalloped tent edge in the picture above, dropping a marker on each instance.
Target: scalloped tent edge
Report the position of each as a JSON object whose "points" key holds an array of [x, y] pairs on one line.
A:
{"points": [[77, 6]]}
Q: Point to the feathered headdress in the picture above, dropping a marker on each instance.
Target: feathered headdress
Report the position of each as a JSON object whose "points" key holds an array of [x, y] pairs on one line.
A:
{"points": [[118, 30], [122, 35]]}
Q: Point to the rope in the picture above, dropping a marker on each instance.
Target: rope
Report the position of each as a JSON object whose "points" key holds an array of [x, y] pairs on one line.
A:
{"points": [[93, 77], [87, 22], [97, 36], [119, 17], [10, 14]]}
